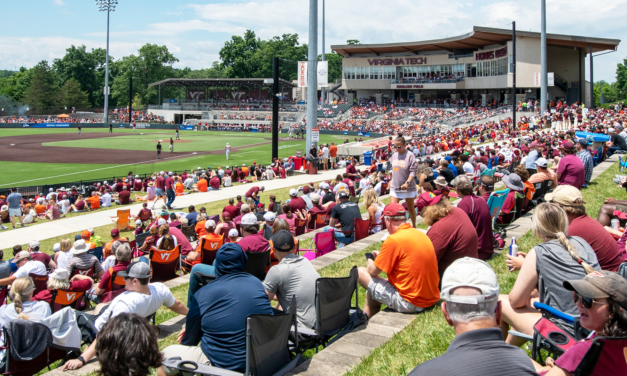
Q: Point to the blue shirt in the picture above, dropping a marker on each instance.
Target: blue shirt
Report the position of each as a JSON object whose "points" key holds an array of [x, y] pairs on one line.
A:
{"points": [[453, 169], [14, 200], [531, 160], [192, 218], [217, 312]]}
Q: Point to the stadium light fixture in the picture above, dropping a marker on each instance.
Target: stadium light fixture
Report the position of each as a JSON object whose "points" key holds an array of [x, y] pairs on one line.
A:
{"points": [[106, 6]]}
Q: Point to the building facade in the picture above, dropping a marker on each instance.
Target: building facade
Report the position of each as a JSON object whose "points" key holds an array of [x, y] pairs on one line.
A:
{"points": [[477, 66]]}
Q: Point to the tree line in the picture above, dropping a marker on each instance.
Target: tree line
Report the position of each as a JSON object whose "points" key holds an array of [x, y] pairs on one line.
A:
{"points": [[77, 79]]}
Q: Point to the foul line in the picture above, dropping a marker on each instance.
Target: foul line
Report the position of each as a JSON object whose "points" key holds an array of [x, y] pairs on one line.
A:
{"points": [[100, 169]]}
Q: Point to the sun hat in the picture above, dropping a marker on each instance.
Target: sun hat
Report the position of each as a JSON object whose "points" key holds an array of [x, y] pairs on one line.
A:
{"points": [[513, 181], [60, 273], [249, 219], [470, 272], [601, 284], [566, 195], [233, 232], [440, 180], [79, 247]]}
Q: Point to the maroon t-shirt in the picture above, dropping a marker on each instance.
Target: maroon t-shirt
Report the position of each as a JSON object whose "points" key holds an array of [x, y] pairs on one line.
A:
{"points": [[76, 286], [118, 187], [453, 237], [232, 210], [169, 183], [181, 240], [254, 243], [350, 169], [297, 204], [138, 185], [214, 183], [572, 170], [125, 197], [251, 191], [613, 359], [283, 174], [479, 213], [41, 257], [606, 248], [160, 183]]}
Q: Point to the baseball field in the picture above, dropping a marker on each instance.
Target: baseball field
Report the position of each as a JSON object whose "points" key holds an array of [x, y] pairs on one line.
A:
{"points": [[38, 155]]}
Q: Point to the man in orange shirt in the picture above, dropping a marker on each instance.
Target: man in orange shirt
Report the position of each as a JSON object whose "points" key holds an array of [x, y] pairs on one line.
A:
{"points": [[408, 258], [245, 169], [94, 201], [202, 184], [333, 154]]}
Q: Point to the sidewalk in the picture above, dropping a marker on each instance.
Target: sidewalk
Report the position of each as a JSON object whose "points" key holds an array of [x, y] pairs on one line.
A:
{"points": [[59, 227]]}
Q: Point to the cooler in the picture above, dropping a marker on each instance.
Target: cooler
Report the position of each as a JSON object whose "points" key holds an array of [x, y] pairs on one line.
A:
{"points": [[368, 158]]}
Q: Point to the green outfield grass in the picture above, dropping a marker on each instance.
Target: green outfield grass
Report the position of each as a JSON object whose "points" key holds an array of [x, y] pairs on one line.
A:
{"points": [[27, 173]]}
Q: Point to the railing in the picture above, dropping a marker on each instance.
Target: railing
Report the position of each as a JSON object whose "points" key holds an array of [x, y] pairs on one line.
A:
{"points": [[416, 80], [209, 107]]}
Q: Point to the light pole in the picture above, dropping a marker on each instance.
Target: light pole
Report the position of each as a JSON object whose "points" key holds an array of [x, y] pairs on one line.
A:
{"points": [[323, 89], [106, 6]]}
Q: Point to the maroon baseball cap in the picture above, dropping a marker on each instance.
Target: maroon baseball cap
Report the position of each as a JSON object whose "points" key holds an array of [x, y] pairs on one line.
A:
{"points": [[427, 199], [115, 232], [534, 144], [306, 189], [567, 145], [394, 209]]}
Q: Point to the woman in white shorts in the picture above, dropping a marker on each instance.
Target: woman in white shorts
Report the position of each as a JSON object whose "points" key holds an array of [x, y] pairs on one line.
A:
{"points": [[403, 184]]}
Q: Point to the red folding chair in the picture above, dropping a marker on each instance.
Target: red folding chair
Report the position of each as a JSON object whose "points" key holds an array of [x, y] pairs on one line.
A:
{"points": [[40, 281], [300, 226], [323, 242], [164, 264], [61, 299], [362, 228], [209, 249], [87, 272], [117, 286]]}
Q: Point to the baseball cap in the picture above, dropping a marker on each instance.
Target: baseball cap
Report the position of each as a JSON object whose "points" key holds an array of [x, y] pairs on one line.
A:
{"points": [[260, 205], [115, 232], [269, 216], [249, 219], [138, 222], [324, 186], [139, 270], [394, 209], [136, 176], [542, 162], [306, 189], [342, 194], [283, 241], [56, 247], [611, 130], [567, 144], [566, 195], [210, 223], [470, 272], [34, 244], [601, 284], [233, 232], [534, 144], [86, 234], [161, 221], [22, 255], [170, 173], [583, 142], [4, 208], [60, 273], [293, 192]]}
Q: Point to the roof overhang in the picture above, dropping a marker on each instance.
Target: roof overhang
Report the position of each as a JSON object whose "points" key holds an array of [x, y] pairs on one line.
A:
{"points": [[477, 39], [251, 83]]}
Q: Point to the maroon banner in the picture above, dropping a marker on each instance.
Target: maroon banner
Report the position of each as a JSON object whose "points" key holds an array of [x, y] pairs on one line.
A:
{"points": [[399, 61]]}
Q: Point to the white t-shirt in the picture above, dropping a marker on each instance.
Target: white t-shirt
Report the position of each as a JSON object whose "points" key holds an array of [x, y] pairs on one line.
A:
{"points": [[364, 183], [36, 311], [468, 168], [136, 302], [377, 189], [65, 205], [106, 200], [227, 181], [339, 186], [63, 258], [325, 152], [30, 217], [33, 266], [173, 237], [109, 262], [341, 163], [270, 174]]}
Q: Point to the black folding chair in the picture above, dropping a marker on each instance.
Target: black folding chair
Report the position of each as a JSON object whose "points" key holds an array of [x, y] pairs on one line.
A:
{"points": [[267, 348], [205, 279], [141, 238], [333, 309], [257, 263]]}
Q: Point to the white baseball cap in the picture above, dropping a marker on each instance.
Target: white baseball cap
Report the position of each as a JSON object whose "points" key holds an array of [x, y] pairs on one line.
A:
{"points": [[542, 162], [269, 216], [56, 247], [161, 221], [293, 192], [210, 223], [50, 190], [170, 173], [60, 273], [243, 164], [470, 272], [136, 176], [324, 186], [233, 232], [249, 219], [138, 222], [34, 244], [161, 173]]}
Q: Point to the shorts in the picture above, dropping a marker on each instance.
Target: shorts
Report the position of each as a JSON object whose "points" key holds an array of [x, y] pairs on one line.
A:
{"points": [[160, 192], [383, 292], [333, 159], [189, 353], [15, 212], [325, 160], [403, 195]]}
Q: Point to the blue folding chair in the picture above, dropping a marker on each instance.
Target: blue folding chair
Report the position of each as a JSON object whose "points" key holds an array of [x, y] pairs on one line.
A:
{"points": [[599, 157], [495, 203], [622, 164], [489, 172]]}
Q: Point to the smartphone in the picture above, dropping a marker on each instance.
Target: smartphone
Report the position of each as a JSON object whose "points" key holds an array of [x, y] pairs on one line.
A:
{"points": [[369, 256]]}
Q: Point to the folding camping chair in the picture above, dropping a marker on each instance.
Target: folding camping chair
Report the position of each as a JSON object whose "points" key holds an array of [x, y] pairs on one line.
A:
{"points": [[320, 220], [267, 348], [40, 281], [257, 263], [300, 226], [209, 249], [164, 264], [260, 217], [86, 272], [598, 157], [123, 219], [622, 164], [601, 357], [116, 287], [333, 304], [323, 243], [542, 189], [141, 238], [189, 233], [50, 355], [277, 207], [362, 228], [495, 203], [61, 299], [96, 252], [3, 295], [267, 231], [215, 218]]}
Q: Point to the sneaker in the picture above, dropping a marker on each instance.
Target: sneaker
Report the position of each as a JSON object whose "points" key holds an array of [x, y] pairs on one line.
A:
{"points": [[617, 181], [21, 224], [3, 228], [620, 177]]}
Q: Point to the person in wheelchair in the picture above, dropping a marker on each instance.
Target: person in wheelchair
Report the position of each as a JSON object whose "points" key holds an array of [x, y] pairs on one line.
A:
{"points": [[542, 271], [601, 300]]}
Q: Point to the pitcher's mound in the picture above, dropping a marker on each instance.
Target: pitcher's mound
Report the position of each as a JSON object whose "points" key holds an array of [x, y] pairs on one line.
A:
{"points": [[175, 141]]}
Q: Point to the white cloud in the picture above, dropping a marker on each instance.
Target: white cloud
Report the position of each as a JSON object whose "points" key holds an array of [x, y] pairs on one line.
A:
{"points": [[58, 2]]}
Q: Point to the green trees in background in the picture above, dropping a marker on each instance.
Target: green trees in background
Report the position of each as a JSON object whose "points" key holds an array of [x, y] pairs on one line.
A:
{"points": [[77, 79]]}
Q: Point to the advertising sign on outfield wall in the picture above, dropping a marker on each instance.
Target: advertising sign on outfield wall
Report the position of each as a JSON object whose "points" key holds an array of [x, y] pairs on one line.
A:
{"points": [[46, 125]]}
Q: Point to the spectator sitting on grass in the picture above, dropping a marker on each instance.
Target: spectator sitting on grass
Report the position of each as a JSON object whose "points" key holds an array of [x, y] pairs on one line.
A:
{"points": [[556, 259], [79, 205], [124, 197], [470, 305], [408, 258]]}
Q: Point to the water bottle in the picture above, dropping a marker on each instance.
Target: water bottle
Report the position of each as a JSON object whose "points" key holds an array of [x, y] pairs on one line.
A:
{"points": [[513, 248], [615, 224]]}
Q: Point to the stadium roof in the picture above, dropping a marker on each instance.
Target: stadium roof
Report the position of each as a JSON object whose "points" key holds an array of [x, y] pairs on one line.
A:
{"points": [[252, 83], [476, 39]]}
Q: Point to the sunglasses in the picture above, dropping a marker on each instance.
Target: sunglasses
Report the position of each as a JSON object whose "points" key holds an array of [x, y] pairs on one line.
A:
{"points": [[397, 147], [587, 303]]}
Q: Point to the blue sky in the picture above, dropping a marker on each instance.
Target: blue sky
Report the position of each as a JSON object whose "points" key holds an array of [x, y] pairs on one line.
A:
{"points": [[34, 30]]}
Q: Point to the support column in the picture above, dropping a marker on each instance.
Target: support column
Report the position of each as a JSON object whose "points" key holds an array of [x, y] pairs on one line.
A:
{"points": [[591, 80], [580, 87], [275, 109], [514, 101], [544, 94], [312, 69]]}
